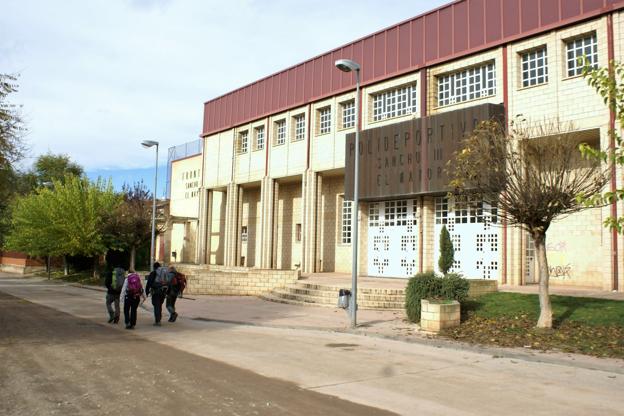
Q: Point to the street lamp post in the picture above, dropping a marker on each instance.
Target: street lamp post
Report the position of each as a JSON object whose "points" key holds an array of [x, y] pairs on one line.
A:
{"points": [[347, 65], [147, 144]]}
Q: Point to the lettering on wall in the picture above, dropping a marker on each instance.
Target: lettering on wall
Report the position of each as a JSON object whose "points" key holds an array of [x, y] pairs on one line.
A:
{"points": [[410, 157], [559, 265]]}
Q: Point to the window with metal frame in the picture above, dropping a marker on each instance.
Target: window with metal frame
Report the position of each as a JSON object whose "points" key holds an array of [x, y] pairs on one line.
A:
{"points": [[259, 133], [534, 67], [395, 103], [373, 214], [348, 114], [243, 141], [280, 132], [347, 212], [579, 48], [324, 118], [299, 127], [468, 84]]}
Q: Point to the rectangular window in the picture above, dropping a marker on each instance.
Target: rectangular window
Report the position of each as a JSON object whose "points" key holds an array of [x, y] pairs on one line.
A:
{"points": [[348, 114], [324, 117], [346, 221], [280, 132], [534, 67], [299, 127], [243, 141], [244, 234], [580, 48], [259, 132], [468, 84], [395, 103]]}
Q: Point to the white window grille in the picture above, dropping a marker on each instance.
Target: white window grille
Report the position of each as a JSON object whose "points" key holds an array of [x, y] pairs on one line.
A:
{"points": [[347, 207], [280, 132], [389, 213], [373, 214], [325, 120], [348, 114], [534, 67], [299, 127], [577, 49], [395, 103], [468, 84], [259, 137], [243, 141]]}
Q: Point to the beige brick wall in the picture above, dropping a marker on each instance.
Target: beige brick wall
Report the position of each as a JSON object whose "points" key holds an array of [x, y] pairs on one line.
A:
{"points": [[334, 255], [217, 228], [251, 219], [288, 216]]}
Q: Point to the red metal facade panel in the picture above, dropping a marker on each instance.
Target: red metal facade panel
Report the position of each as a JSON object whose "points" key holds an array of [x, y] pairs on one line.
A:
{"points": [[570, 8], [549, 12], [476, 16], [405, 51], [449, 32], [391, 50], [460, 27], [493, 23], [529, 15], [380, 55], [511, 18], [418, 43], [445, 31], [431, 37]]}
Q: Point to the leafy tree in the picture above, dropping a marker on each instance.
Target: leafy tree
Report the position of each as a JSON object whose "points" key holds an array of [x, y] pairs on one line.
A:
{"points": [[11, 125], [50, 167], [534, 175], [609, 84], [67, 219], [447, 252], [130, 226]]}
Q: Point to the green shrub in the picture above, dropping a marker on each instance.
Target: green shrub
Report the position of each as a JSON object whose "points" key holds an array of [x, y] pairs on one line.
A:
{"points": [[429, 286], [447, 252]]}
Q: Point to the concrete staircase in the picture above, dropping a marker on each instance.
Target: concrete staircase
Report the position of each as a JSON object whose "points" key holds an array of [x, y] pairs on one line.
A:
{"points": [[314, 294]]}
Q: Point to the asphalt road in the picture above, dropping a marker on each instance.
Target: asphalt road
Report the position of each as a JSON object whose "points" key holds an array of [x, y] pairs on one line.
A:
{"points": [[55, 363]]}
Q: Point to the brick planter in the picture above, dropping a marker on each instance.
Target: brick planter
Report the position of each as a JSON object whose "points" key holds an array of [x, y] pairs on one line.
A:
{"points": [[437, 315]]}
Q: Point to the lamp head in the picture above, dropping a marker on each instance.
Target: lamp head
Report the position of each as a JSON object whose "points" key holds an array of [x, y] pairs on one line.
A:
{"points": [[149, 143], [347, 65]]}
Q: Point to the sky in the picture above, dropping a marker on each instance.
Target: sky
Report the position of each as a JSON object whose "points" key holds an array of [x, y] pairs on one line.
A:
{"points": [[97, 77]]}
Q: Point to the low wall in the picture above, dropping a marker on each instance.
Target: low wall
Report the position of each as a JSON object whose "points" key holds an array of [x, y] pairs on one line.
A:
{"points": [[14, 262], [237, 281], [480, 287]]}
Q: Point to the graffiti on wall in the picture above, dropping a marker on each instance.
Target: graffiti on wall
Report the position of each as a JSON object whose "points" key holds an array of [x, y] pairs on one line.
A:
{"points": [[559, 264]]}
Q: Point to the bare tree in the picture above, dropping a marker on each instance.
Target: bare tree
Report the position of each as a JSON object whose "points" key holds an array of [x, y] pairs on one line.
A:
{"points": [[534, 174]]}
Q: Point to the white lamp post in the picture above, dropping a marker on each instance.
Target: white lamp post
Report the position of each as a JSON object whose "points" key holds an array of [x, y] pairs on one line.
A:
{"points": [[147, 144], [347, 65]]}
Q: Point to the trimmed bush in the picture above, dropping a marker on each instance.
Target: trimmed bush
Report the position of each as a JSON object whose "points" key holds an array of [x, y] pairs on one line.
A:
{"points": [[429, 286], [447, 251]]}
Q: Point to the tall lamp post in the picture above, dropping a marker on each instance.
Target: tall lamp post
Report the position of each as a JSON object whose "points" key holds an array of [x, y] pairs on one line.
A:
{"points": [[347, 65], [148, 144]]}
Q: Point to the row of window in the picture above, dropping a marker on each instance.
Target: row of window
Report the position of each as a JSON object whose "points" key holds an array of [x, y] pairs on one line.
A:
{"points": [[453, 88]]}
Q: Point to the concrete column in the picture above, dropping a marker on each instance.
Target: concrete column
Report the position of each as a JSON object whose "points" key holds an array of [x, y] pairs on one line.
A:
{"points": [[274, 223], [239, 225], [200, 246], [309, 225], [231, 225], [266, 222]]}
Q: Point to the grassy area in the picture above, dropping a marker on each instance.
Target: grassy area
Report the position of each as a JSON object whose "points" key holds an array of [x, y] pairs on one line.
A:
{"points": [[582, 325], [84, 278]]}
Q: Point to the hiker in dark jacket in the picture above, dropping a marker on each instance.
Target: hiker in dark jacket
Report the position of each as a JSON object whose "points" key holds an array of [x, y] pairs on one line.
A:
{"points": [[132, 293], [156, 287], [177, 283], [114, 281]]}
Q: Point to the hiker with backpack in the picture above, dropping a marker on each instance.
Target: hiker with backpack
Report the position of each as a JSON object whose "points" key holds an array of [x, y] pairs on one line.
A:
{"points": [[114, 281], [157, 285], [132, 292], [177, 284]]}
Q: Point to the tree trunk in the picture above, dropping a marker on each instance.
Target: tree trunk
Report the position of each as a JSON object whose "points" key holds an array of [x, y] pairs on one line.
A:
{"points": [[65, 266], [545, 317], [95, 264], [49, 270], [132, 257]]}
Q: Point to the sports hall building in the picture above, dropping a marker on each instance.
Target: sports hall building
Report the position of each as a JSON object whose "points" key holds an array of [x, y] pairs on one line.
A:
{"points": [[271, 188]]}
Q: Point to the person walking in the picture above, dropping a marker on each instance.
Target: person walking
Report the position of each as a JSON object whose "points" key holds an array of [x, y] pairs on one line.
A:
{"points": [[114, 281], [177, 283], [156, 287], [132, 292]]}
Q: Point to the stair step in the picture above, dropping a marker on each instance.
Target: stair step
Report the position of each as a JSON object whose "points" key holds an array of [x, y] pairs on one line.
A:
{"points": [[362, 303], [372, 291], [332, 296]]}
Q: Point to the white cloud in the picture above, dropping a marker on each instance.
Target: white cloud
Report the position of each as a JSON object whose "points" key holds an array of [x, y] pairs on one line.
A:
{"points": [[99, 76]]}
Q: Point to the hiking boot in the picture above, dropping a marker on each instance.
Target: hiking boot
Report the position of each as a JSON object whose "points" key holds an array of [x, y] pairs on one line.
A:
{"points": [[128, 326], [174, 316], [116, 320], [112, 318], [156, 323]]}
